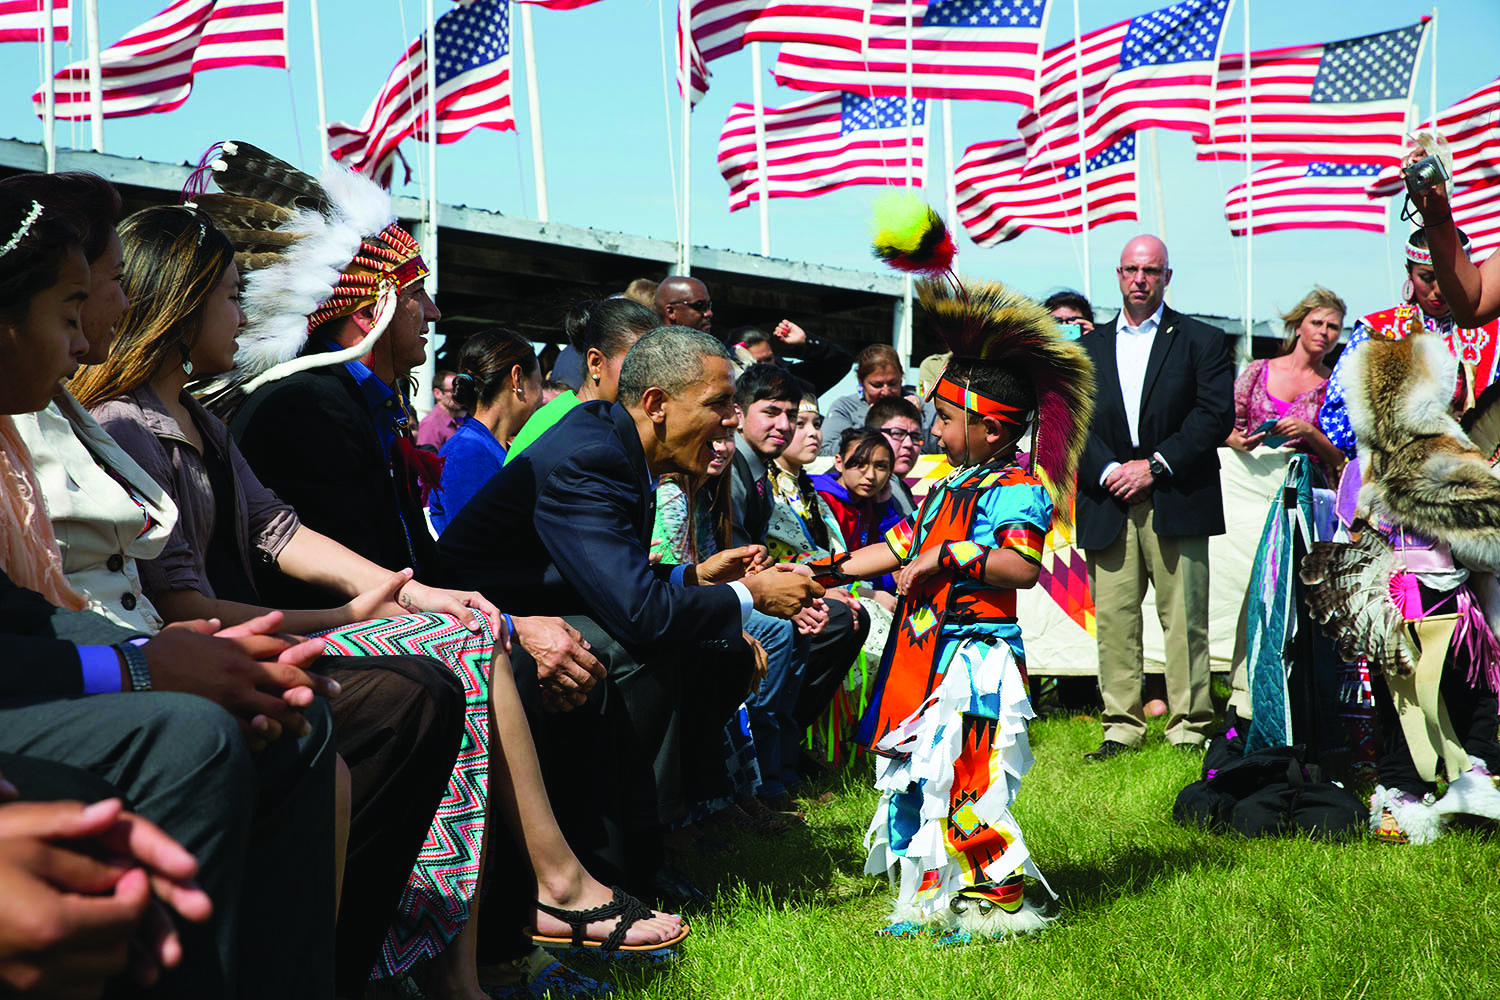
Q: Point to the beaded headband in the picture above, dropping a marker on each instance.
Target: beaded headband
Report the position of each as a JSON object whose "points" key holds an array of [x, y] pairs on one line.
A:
{"points": [[1422, 255], [26, 224], [966, 398]]}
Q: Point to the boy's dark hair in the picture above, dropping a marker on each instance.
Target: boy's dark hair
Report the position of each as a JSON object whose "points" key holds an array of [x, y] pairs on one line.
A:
{"points": [[766, 381], [857, 446], [1071, 299], [890, 408], [1000, 382]]}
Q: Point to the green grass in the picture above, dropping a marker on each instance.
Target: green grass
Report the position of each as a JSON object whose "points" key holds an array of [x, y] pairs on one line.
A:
{"points": [[1147, 909]]}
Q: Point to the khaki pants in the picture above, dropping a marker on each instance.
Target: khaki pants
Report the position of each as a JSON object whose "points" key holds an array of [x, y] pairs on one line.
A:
{"points": [[1178, 569]]}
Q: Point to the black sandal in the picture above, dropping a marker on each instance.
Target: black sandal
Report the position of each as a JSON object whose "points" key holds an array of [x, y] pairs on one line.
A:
{"points": [[623, 905]]}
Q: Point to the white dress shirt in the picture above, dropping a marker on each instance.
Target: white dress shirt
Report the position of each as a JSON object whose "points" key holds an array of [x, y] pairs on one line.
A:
{"points": [[1132, 355]]}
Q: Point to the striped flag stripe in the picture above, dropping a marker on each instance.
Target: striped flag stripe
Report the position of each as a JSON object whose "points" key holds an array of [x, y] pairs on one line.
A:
{"points": [[151, 69], [1285, 197], [997, 200], [808, 152], [1476, 211], [1472, 129], [25, 20], [960, 49]]}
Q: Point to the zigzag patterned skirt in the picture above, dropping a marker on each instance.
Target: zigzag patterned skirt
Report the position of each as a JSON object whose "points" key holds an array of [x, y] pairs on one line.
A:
{"points": [[435, 904]]}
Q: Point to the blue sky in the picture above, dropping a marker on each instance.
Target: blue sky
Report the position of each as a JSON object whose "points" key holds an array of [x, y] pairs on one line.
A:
{"points": [[611, 139]]}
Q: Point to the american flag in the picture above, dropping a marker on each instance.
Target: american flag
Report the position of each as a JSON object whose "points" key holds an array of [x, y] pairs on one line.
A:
{"points": [[1340, 102], [1165, 77], [1155, 70], [1476, 211], [1308, 196], [824, 142], [1472, 128], [975, 49], [151, 69], [720, 27], [996, 200], [25, 20], [473, 91]]}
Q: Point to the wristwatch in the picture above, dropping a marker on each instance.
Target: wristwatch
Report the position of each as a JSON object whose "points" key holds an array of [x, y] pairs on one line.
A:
{"points": [[136, 665], [1158, 469]]}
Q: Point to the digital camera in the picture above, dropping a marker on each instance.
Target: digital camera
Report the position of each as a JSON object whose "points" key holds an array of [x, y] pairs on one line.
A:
{"points": [[1428, 172]]}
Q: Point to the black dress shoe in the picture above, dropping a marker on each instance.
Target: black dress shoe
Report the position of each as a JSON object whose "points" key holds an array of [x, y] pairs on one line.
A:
{"points": [[1108, 749]]}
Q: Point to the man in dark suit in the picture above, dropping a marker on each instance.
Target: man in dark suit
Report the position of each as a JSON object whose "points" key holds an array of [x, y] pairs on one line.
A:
{"points": [[566, 529], [1149, 496]]}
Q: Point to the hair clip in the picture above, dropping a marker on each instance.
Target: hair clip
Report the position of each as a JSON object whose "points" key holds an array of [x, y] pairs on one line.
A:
{"points": [[26, 224]]}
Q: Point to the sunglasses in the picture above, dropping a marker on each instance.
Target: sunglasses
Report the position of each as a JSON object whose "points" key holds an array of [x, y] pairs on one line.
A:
{"points": [[700, 306]]}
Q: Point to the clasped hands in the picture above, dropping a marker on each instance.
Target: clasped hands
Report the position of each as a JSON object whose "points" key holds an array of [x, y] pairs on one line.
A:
{"points": [[84, 896], [1130, 482]]}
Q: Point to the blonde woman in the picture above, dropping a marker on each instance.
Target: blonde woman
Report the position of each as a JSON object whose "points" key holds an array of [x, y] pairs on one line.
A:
{"points": [[1287, 391]]}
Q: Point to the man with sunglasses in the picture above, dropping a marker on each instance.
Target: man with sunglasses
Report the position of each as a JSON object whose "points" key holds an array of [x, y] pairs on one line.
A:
{"points": [[684, 302], [1149, 496]]}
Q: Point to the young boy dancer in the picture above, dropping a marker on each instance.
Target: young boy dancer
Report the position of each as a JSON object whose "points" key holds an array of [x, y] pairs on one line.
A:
{"points": [[948, 724]]}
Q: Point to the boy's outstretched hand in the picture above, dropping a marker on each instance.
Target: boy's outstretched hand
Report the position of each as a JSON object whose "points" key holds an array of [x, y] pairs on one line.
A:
{"points": [[919, 569]]}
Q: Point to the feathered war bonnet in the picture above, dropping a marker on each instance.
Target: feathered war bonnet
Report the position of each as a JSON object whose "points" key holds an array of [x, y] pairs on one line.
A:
{"points": [[988, 322], [309, 252]]}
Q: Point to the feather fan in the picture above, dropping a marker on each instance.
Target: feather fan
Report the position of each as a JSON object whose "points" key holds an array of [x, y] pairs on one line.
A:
{"points": [[1482, 423], [1349, 592]]}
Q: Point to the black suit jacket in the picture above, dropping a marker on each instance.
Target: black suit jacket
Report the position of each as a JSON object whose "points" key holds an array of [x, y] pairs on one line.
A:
{"points": [[1187, 410], [311, 441], [565, 529]]}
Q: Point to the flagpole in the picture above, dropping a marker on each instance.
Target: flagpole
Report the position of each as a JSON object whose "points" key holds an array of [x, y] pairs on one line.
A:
{"points": [[951, 187], [49, 88], [1246, 341], [534, 106], [96, 75], [1083, 166], [762, 182], [904, 336], [317, 37], [430, 44], [685, 29], [1160, 197], [1432, 83]]}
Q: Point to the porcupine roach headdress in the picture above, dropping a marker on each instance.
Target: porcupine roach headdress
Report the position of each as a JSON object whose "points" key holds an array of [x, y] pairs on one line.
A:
{"points": [[310, 252], [992, 323]]}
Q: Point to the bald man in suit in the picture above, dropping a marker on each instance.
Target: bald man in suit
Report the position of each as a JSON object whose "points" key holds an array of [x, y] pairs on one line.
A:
{"points": [[1149, 496]]}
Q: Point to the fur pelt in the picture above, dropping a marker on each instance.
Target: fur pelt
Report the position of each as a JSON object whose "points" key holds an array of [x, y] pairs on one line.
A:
{"points": [[989, 321], [1420, 468]]}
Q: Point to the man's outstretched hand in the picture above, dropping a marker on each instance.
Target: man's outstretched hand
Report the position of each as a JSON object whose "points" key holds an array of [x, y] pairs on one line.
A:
{"points": [[783, 590]]}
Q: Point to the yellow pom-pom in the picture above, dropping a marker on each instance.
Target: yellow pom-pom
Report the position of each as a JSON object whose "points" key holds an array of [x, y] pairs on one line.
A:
{"points": [[908, 234]]}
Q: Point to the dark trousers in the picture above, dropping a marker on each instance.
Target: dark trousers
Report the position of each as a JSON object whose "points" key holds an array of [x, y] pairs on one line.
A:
{"points": [[829, 660], [647, 742], [1475, 722], [398, 723], [260, 825]]}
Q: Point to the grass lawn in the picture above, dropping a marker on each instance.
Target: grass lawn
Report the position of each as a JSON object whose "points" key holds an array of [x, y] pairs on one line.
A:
{"points": [[1147, 909]]}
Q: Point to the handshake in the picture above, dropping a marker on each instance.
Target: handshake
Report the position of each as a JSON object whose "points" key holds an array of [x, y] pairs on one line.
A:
{"points": [[781, 590]]}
